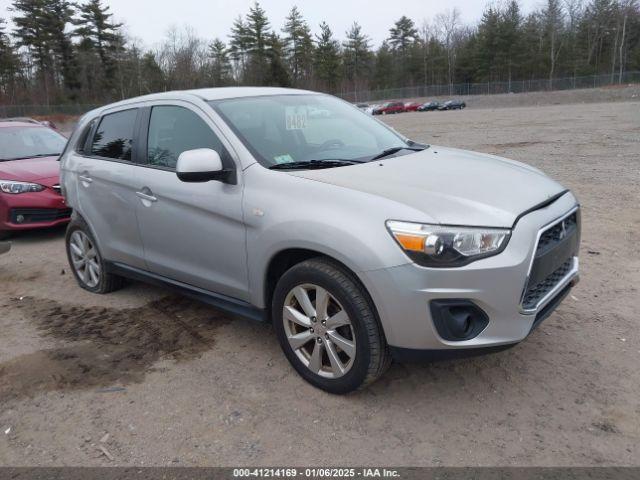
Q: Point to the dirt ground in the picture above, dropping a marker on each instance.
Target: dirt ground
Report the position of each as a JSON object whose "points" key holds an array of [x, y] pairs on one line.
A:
{"points": [[143, 377]]}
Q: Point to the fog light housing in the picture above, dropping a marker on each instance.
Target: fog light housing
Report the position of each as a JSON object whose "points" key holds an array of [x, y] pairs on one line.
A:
{"points": [[457, 320], [20, 219]]}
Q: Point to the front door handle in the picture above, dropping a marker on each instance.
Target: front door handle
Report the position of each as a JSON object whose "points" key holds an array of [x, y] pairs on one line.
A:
{"points": [[147, 195], [85, 178]]}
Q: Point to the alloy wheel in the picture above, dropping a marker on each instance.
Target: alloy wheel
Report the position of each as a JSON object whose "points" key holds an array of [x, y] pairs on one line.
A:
{"points": [[319, 331], [85, 259]]}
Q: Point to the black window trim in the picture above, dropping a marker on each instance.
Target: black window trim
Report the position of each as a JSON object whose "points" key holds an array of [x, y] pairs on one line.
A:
{"points": [[87, 132]]}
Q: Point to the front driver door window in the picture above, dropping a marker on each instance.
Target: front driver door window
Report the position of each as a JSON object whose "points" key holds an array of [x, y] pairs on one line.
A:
{"points": [[173, 130]]}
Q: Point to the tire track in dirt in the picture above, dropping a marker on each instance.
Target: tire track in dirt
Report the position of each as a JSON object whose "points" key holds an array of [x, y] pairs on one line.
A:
{"points": [[106, 346]]}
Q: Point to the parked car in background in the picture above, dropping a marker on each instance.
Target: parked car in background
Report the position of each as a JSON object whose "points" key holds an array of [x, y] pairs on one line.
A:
{"points": [[357, 243], [389, 108], [29, 177], [411, 106], [362, 106], [45, 123], [452, 105], [372, 108], [429, 106]]}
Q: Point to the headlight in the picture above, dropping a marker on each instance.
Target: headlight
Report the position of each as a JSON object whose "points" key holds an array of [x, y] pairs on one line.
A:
{"points": [[10, 186], [447, 246]]}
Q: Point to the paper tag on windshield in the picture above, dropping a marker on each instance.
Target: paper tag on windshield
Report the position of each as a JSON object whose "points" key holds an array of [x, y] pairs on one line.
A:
{"points": [[296, 118], [283, 159]]}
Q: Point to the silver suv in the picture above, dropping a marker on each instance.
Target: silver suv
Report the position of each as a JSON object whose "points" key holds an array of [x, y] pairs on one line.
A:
{"points": [[296, 208]]}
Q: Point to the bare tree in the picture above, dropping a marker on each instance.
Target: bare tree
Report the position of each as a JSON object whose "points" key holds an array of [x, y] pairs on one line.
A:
{"points": [[183, 56], [553, 16], [448, 25]]}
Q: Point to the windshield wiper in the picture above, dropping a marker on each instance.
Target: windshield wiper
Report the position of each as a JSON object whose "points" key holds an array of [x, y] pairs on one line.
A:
{"points": [[393, 150], [309, 164]]}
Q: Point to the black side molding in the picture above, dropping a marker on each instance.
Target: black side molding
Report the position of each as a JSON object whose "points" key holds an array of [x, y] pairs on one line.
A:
{"points": [[223, 302]]}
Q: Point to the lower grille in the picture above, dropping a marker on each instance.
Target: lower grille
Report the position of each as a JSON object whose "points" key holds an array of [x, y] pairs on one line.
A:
{"points": [[21, 216], [537, 292]]}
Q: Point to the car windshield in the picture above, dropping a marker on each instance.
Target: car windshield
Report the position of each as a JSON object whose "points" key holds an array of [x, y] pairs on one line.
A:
{"points": [[17, 143], [283, 129]]}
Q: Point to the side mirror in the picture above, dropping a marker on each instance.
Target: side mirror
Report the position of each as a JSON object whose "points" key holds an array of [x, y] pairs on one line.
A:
{"points": [[200, 165]]}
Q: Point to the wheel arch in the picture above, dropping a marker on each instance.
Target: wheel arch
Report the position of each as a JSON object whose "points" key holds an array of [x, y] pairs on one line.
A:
{"points": [[286, 258]]}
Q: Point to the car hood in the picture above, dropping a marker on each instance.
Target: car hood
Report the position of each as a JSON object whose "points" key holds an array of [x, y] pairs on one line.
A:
{"points": [[450, 186], [45, 170]]}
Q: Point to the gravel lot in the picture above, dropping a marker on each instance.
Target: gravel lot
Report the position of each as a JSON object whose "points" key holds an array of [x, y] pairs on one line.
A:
{"points": [[143, 377]]}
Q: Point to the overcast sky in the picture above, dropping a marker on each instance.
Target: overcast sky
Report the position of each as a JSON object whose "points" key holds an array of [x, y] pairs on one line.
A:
{"points": [[149, 20]]}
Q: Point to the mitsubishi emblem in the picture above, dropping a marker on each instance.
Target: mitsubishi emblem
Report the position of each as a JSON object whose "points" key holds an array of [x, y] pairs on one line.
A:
{"points": [[563, 231]]}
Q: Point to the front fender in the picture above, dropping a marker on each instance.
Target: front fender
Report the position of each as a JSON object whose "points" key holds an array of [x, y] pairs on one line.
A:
{"points": [[343, 246]]}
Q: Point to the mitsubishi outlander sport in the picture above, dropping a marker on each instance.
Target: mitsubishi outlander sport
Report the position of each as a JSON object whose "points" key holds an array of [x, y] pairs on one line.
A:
{"points": [[295, 207]]}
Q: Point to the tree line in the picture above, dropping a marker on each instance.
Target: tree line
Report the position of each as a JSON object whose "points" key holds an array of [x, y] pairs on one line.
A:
{"points": [[62, 52]]}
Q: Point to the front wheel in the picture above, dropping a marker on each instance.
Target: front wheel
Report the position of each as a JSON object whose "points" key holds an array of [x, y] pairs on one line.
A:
{"points": [[327, 327]]}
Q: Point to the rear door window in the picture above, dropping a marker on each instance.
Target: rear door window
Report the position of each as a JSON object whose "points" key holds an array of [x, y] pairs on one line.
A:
{"points": [[114, 136]]}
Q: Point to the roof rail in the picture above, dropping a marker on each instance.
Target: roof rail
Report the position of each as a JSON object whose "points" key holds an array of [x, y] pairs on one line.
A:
{"points": [[20, 119]]}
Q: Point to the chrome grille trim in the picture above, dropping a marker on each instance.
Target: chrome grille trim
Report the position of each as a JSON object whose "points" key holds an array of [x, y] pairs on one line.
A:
{"points": [[571, 274]]}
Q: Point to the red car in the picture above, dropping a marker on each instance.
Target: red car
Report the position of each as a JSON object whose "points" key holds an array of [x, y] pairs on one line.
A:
{"points": [[29, 177], [411, 106], [388, 108]]}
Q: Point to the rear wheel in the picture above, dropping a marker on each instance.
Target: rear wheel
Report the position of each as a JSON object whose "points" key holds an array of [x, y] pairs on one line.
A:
{"points": [[327, 327], [86, 262]]}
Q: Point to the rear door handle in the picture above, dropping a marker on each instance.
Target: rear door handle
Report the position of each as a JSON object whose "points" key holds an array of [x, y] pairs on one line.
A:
{"points": [[147, 196], [85, 178]]}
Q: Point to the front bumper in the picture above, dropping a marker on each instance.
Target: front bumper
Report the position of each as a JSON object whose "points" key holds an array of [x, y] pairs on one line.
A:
{"points": [[36, 210], [402, 294]]}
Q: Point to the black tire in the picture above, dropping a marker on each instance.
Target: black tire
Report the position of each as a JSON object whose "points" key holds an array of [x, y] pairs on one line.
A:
{"points": [[5, 234], [372, 356], [108, 282]]}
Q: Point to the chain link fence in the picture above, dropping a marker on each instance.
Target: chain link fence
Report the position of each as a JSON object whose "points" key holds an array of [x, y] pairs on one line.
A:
{"points": [[418, 91], [492, 88], [10, 111]]}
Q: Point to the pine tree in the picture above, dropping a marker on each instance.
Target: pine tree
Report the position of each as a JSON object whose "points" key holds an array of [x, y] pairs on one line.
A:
{"points": [[327, 59], [100, 36], [220, 64], [298, 46], [402, 34], [277, 74], [510, 39], [151, 75], [257, 35], [356, 56], [238, 46], [59, 15], [9, 62], [30, 32], [487, 44], [383, 77]]}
